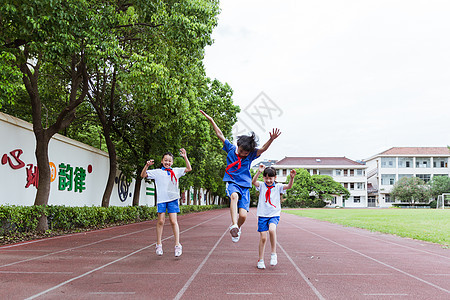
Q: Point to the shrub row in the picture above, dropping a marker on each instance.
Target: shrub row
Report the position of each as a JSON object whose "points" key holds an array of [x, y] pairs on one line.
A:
{"points": [[15, 219]]}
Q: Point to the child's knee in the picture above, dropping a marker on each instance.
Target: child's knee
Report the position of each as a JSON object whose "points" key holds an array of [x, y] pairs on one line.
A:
{"points": [[272, 228], [263, 237]]}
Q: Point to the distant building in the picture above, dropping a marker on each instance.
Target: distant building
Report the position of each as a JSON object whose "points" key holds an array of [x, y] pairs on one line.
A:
{"points": [[266, 163], [351, 174], [386, 168]]}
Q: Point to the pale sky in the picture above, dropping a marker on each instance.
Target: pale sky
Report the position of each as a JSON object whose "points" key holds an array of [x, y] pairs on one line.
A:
{"points": [[339, 77]]}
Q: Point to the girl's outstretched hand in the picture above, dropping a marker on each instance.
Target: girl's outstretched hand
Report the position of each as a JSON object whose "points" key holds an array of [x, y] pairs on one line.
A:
{"points": [[183, 152], [293, 173], [275, 133], [206, 115], [150, 162], [261, 168]]}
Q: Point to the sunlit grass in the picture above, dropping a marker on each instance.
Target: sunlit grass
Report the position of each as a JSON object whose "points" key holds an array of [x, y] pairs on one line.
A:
{"points": [[432, 225]]}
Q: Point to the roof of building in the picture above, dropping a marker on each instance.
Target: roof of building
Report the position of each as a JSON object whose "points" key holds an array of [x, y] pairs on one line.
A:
{"points": [[317, 161], [416, 151], [266, 163]]}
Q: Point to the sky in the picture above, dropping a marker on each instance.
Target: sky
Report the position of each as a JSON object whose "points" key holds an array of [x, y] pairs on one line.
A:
{"points": [[337, 77]]}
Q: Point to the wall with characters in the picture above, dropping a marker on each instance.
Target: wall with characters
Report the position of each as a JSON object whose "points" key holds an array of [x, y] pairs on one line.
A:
{"points": [[79, 172]]}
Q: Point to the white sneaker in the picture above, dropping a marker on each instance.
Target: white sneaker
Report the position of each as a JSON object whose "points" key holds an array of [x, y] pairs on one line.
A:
{"points": [[236, 239], [261, 264], [159, 250], [235, 232], [273, 259], [178, 250]]}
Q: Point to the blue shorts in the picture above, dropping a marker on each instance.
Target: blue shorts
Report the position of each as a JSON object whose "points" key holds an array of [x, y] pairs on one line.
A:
{"points": [[171, 206], [243, 192], [263, 222]]}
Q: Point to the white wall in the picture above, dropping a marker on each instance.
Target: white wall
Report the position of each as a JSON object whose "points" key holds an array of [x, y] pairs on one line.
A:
{"points": [[17, 134]]}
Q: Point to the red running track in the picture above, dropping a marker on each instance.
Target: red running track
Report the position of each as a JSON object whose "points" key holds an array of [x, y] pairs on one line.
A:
{"points": [[316, 260]]}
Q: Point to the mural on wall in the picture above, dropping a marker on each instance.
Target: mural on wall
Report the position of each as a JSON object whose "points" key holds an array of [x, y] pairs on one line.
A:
{"points": [[123, 187], [69, 179]]}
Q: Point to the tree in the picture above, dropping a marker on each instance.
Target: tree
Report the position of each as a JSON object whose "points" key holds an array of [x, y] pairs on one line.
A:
{"points": [[413, 190], [439, 185], [66, 38], [324, 188]]}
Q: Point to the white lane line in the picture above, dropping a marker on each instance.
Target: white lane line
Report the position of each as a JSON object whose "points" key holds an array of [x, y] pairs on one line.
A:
{"points": [[67, 235], [110, 263], [261, 273], [249, 293], [73, 248], [191, 279], [301, 273], [371, 258], [378, 239]]}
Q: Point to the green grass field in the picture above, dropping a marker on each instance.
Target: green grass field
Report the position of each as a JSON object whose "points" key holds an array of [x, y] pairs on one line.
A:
{"points": [[432, 225]]}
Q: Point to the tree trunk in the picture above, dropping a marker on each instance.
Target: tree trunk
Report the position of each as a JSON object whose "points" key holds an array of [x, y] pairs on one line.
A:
{"points": [[188, 200], [195, 197], [112, 168], [43, 189], [137, 190]]}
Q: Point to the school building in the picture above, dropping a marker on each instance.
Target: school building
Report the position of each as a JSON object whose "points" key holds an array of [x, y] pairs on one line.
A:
{"points": [[386, 168], [351, 174]]}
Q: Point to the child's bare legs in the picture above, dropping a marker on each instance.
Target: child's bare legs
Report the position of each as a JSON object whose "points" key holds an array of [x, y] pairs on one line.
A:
{"points": [[233, 208], [262, 243], [160, 227], [273, 237], [175, 227], [235, 218], [242, 216]]}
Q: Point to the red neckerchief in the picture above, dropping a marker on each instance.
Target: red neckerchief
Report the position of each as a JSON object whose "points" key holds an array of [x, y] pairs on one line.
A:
{"points": [[268, 194], [171, 173], [238, 161]]}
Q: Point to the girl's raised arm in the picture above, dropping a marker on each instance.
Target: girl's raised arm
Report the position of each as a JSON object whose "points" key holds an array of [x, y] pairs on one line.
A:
{"points": [[188, 164], [215, 127]]}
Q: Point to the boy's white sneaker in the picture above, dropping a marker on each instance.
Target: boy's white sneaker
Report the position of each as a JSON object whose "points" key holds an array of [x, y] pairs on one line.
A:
{"points": [[159, 250], [273, 259], [178, 250], [261, 264]]}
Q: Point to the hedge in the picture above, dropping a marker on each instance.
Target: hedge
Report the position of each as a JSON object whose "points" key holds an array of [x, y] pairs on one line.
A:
{"points": [[18, 219]]}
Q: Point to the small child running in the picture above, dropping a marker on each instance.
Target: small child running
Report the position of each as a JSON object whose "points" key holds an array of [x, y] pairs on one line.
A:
{"points": [[269, 209], [168, 194], [237, 173]]}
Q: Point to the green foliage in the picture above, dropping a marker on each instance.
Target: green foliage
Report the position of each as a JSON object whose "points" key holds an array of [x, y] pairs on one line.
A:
{"points": [[439, 185], [411, 190], [312, 191], [15, 219]]}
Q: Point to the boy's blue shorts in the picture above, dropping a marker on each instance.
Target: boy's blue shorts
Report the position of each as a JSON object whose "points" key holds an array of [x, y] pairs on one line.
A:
{"points": [[263, 222], [244, 194], [171, 207]]}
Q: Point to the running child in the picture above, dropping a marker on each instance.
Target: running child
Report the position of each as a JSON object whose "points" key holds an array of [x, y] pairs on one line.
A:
{"points": [[269, 209], [166, 180], [237, 173]]}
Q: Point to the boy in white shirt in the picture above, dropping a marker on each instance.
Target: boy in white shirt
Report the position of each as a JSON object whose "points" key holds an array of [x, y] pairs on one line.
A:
{"points": [[269, 209], [166, 181]]}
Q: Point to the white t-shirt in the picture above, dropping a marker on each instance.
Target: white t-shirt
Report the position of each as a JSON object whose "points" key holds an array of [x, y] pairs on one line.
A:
{"points": [[166, 189], [271, 208]]}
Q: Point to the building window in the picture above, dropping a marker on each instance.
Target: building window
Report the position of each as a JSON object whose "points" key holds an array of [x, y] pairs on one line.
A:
{"points": [[400, 176], [360, 186], [424, 177], [423, 162], [356, 199], [388, 162], [388, 199], [352, 186], [359, 172], [387, 179], [338, 172], [284, 172], [440, 162], [405, 162]]}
